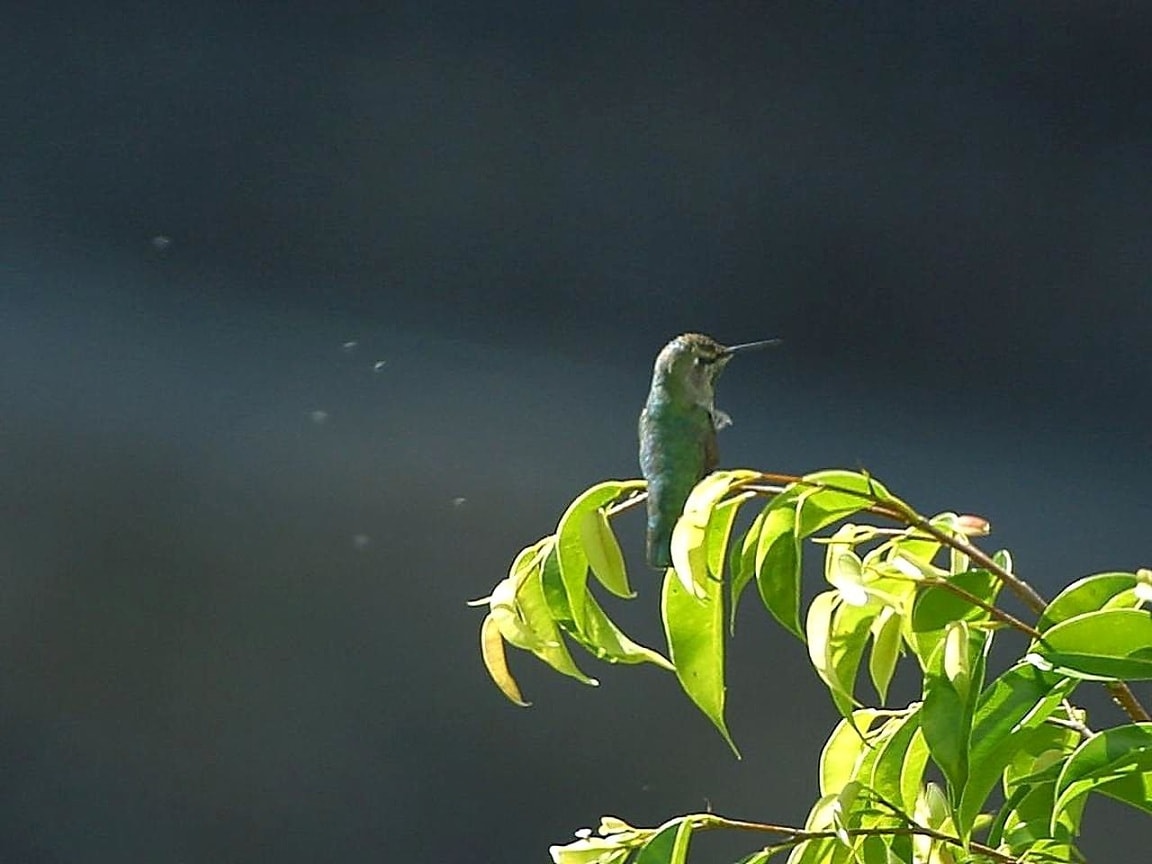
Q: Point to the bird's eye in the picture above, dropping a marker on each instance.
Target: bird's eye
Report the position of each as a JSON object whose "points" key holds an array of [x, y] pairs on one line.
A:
{"points": [[699, 361]]}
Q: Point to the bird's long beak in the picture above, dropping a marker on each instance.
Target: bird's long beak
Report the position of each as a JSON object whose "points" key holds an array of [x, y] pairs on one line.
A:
{"points": [[751, 346]]}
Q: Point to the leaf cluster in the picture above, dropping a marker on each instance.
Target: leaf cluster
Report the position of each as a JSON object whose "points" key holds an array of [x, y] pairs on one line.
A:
{"points": [[1015, 758]]}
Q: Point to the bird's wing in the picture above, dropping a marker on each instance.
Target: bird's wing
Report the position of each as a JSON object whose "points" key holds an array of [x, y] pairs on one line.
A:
{"points": [[711, 452]]}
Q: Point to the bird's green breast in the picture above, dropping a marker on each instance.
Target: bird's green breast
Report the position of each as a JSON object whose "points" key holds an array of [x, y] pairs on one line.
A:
{"points": [[677, 448]]}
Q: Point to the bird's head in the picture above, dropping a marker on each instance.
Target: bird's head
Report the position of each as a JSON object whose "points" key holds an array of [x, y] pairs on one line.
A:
{"points": [[691, 363]]}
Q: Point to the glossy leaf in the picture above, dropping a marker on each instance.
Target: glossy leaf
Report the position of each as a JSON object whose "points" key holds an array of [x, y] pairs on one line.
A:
{"points": [[826, 850], [555, 594], [689, 557], [951, 685], [690, 535], [842, 750], [1029, 784], [570, 532], [1116, 762], [843, 811], [898, 769], [837, 635], [695, 630], [720, 530], [1090, 594], [778, 568], [742, 563], [1050, 852], [1007, 714], [845, 572], [660, 848], [492, 652], [591, 850], [608, 642], [504, 605], [551, 647], [886, 645], [1109, 644], [680, 843], [936, 607], [834, 495], [603, 553]]}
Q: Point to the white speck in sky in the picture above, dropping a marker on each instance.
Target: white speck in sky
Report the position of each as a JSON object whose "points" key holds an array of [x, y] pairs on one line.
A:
{"points": [[378, 365], [319, 417]]}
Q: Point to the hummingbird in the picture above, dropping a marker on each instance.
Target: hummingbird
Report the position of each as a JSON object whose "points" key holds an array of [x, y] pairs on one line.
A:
{"points": [[678, 429]]}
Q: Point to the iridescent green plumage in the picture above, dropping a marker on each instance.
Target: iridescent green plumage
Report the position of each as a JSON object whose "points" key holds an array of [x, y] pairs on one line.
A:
{"points": [[678, 430]]}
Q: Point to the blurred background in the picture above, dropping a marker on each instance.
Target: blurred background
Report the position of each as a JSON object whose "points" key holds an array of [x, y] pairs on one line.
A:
{"points": [[311, 315]]}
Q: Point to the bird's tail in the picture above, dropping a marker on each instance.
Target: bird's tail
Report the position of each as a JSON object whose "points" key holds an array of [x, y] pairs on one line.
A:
{"points": [[659, 540]]}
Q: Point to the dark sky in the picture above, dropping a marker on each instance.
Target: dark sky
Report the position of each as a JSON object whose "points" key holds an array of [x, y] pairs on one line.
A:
{"points": [[236, 548]]}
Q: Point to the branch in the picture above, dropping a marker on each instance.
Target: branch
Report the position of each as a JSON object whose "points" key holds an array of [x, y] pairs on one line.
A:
{"points": [[994, 611], [799, 835], [1121, 693], [769, 483], [894, 508]]}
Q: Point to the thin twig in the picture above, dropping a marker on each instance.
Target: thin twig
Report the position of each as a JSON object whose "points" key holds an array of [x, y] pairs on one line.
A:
{"points": [[995, 611], [1121, 693], [799, 835], [895, 509], [1074, 725]]}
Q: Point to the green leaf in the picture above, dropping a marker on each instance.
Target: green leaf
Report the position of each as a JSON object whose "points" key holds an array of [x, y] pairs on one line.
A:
{"points": [[898, 769], [843, 811], [876, 850], [832, 496], [886, 645], [936, 607], [550, 647], [570, 540], [504, 606], [609, 643], [690, 535], [592, 850], [1116, 762], [603, 553], [842, 750], [660, 848], [822, 851], [1030, 818], [742, 563], [837, 635], [1090, 594], [720, 529], [778, 567], [1007, 715], [555, 594], [695, 631], [1040, 758], [952, 683], [1030, 783], [689, 557], [492, 652], [1112, 644], [845, 572], [680, 843], [914, 545], [1050, 852]]}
